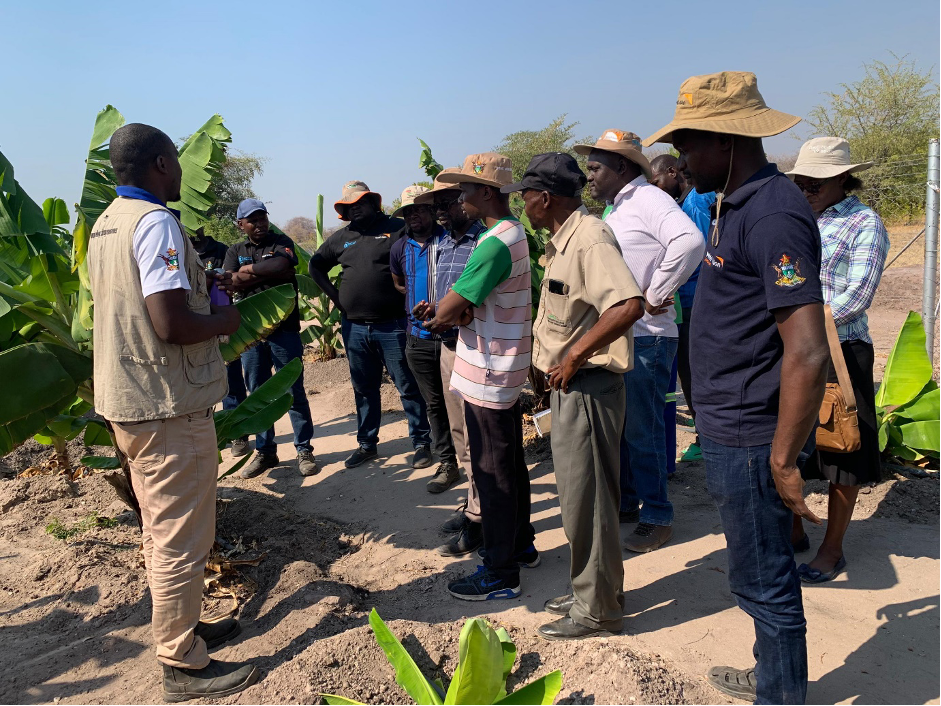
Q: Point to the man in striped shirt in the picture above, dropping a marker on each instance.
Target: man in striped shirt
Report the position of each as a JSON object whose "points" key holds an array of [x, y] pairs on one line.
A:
{"points": [[492, 301]]}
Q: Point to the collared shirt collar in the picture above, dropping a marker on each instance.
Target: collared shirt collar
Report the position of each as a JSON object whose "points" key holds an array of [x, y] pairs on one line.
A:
{"points": [[844, 207], [628, 188], [135, 192], [266, 241], [436, 233], [473, 230], [751, 185], [565, 233]]}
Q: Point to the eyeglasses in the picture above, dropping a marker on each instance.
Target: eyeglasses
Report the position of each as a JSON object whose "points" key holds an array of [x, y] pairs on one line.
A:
{"points": [[811, 187], [444, 205]]}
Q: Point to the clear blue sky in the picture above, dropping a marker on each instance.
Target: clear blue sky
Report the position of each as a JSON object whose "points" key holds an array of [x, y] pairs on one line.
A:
{"points": [[329, 92]]}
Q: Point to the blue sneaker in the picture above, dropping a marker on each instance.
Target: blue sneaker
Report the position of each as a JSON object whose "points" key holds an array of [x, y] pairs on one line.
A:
{"points": [[527, 559], [482, 586]]}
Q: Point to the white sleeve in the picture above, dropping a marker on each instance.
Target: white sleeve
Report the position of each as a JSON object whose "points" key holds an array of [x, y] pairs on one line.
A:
{"points": [[159, 249]]}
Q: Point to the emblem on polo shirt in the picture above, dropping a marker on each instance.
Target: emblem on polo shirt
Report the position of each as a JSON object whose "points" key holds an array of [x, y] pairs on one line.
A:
{"points": [[789, 274], [172, 259]]}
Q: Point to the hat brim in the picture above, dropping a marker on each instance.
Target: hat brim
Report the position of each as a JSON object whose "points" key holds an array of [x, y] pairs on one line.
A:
{"points": [[254, 210], [340, 206], [427, 198], [458, 178], [511, 188], [764, 123], [398, 212], [632, 155], [827, 171]]}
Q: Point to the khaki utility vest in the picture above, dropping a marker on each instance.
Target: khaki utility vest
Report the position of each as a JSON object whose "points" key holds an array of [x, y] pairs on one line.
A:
{"points": [[139, 376]]}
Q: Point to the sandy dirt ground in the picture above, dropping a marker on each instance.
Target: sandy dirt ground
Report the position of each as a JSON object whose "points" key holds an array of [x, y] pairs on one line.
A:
{"points": [[74, 612]]}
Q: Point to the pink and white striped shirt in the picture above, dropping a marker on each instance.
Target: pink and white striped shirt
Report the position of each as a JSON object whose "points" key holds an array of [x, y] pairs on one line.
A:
{"points": [[661, 246], [494, 351]]}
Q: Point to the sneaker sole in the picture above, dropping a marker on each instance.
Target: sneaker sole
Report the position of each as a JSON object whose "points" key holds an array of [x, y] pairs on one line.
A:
{"points": [[560, 638], [502, 594], [455, 554], [647, 550], [177, 698]]}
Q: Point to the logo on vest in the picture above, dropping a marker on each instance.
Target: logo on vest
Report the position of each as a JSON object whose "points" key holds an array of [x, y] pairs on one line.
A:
{"points": [[172, 259]]}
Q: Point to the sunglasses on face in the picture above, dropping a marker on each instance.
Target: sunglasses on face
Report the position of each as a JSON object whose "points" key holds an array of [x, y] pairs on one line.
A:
{"points": [[811, 187], [445, 205]]}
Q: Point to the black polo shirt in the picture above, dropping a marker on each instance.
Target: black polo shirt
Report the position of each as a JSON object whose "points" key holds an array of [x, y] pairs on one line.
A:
{"points": [[767, 258], [248, 253], [367, 294], [211, 252]]}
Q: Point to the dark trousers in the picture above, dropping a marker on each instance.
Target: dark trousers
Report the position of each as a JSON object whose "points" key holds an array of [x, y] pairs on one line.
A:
{"points": [[424, 359], [495, 440], [762, 574], [682, 361], [369, 347], [237, 393], [279, 349]]}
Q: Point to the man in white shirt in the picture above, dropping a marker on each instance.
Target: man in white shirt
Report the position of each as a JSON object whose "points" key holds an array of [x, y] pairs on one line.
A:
{"points": [[662, 248]]}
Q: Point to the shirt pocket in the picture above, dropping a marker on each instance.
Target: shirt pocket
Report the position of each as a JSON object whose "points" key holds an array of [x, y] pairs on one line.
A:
{"points": [[557, 311], [202, 363]]}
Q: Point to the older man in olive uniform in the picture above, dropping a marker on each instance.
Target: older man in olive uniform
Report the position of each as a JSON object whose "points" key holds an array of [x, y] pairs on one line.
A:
{"points": [[582, 342]]}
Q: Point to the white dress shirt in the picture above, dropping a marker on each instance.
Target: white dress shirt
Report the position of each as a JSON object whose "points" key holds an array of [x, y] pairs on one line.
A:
{"points": [[661, 246]]}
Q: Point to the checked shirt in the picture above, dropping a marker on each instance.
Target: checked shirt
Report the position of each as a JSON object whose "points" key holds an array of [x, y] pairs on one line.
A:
{"points": [[854, 247]]}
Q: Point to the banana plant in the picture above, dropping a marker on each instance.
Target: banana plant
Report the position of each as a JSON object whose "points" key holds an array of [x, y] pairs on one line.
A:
{"points": [[317, 309], [485, 660], [907, 403]]}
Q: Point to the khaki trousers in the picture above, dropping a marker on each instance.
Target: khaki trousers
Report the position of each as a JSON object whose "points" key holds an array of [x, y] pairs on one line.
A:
{"points": [[587, 472], [455, 406], [174, 463]]}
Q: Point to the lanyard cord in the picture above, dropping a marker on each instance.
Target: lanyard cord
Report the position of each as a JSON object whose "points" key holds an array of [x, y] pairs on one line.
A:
{"points": [[719, 195]]}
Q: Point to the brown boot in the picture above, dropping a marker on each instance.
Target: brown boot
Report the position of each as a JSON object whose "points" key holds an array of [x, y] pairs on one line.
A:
{"points": [[215, 680], [646, 537]]}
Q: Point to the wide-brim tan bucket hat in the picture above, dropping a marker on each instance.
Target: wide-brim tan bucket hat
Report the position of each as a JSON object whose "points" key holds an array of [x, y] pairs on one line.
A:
{"points": [[488, 168], [409, 196], [625, 144], [352, 192], [428, 197], [825, 157], [727, 102]]}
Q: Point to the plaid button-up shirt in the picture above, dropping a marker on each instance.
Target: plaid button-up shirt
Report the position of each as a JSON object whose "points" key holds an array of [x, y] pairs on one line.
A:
{"points": [[854, 247], [451, 256]]}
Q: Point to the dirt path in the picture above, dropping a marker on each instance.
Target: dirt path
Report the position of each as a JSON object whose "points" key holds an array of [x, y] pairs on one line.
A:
{"points": [[75, 613]]}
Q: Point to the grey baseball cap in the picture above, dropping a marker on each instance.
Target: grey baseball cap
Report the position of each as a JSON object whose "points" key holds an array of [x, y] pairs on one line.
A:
{"points": [[248, 207]]}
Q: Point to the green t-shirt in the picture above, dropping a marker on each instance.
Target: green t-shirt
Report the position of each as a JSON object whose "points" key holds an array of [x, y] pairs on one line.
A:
{"points": [[489, 266]]}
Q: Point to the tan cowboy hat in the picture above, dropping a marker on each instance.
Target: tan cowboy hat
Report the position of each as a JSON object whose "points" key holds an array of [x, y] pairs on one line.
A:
{"points": [[726, 102], [488, 168], [825, 157], [353, 191], [428, 197], [626, 144], [408, 197]]}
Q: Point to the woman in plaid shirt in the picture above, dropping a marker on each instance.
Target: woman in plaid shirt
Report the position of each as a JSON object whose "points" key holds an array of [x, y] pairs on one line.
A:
{"points": [[854, 247]]}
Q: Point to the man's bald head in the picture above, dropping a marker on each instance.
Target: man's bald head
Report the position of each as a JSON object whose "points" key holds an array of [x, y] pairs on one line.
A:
{"points": [[666, 176], [146, 157]]}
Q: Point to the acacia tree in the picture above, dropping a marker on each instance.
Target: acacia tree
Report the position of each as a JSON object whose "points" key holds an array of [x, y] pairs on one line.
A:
{"points": [[233, 184], [888, 116]]}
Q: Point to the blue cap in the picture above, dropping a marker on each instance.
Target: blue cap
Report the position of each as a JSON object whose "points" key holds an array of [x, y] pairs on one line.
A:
{"points": [[248, 207]]}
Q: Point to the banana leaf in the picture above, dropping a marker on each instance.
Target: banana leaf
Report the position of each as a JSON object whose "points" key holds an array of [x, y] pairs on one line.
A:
{"points": [[542, 691], [261, 314], [262, 408], [478, 678], [201, 158], [40, 381], [339, 700], [23, 229], [427, 162], [908, 368], [407, 673], [924, 408], [101, 463], [922, 436], [96, 434]]}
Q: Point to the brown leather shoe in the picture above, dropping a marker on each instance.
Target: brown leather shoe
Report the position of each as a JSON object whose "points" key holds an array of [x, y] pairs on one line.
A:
{"points": [[646, 537], [561, 605], [567, 629]]}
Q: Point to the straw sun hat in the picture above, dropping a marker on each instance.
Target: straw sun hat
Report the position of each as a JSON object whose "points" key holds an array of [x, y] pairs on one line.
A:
{"points": [[727, 102], [825, 157], [626, 144]]}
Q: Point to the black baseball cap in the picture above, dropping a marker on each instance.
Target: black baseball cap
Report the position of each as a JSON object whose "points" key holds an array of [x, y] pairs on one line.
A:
{"points": [[555, 172]]}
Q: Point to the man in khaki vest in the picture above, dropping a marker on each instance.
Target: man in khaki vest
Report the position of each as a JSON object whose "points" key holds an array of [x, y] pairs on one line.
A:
{"points": [[583, 343], [158, 375]]}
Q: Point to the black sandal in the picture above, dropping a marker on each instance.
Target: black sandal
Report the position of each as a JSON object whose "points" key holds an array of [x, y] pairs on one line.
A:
{"points": [[737, 683]]}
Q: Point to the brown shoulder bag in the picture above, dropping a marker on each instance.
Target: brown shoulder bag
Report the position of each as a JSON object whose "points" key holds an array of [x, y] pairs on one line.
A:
{"points": [[839, 428]]}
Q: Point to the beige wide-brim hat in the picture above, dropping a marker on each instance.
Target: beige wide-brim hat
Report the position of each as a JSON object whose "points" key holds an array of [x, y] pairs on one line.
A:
{"points": [[488, 168], [825, 157], [626, 144], [352, 192], [428, 197], [727, 102], [409, 196]]}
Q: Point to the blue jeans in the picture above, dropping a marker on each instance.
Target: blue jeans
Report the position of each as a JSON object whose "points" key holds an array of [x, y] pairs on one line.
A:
{"points": [[278, 350], [237, 392], [369, 347], [643, 445], [762, 574]]}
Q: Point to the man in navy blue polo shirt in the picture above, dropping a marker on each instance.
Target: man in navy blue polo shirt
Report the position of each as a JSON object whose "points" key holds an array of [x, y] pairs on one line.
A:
{"points": [[759, 363]]}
